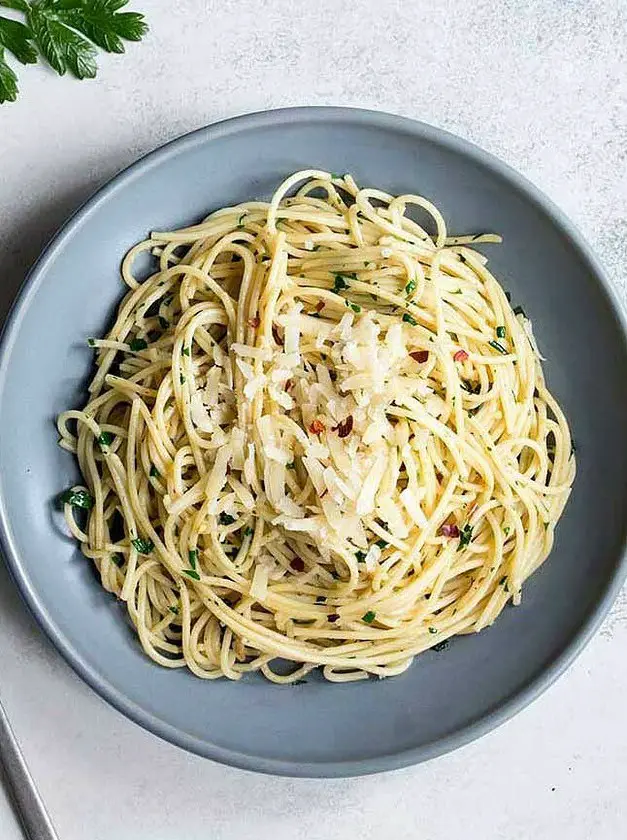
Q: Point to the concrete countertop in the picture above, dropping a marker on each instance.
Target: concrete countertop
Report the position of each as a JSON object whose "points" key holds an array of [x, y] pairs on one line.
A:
{"points": [[542, 84]]}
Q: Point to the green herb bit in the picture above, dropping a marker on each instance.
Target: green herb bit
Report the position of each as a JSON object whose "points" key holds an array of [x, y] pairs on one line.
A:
{"points": [[340, 283], [118, 559], [518, 310], [183, 380], [409, 319], [433, 631], [106, 439], [361, 556], [410, 287], [369, 617], [240, 221], [154, 472], [248, 531], [440, 646], [64, 33], [465, 536], [193, 556], [503, 581], [78, 498], [91, 342], [498, 347], [382, 544], [143, 546], [185, 351], [500, 332], [174, 610], [506, 530], [138, 344], [191, 573], [226, 519], [355, 307]]}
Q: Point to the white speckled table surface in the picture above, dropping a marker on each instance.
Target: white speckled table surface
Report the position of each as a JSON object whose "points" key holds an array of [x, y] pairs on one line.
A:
{"points": [[542, 84]]}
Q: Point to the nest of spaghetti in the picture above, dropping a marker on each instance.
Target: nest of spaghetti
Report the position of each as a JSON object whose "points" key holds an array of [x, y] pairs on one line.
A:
{"points": [[318, 433]]}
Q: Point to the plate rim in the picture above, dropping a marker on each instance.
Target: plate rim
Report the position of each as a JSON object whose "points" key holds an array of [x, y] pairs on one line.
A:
{"points": [[501, 711]]}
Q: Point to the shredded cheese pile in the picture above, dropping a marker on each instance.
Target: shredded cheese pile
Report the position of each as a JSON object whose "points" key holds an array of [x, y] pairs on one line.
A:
{"points": [[317, 433]]}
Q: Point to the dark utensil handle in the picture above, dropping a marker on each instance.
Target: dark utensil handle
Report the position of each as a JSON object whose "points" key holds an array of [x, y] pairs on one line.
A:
{"points": [[29, 805]]}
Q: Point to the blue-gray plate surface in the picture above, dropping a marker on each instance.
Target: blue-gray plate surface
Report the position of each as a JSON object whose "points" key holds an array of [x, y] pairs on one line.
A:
{"points": [[318, 729]]}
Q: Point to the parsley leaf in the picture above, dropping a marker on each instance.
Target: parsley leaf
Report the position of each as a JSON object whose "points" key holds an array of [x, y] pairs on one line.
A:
{"points": [[138, 344], [226, 519], [8, 81], [369, 617], [104, 25], [17, 38], [62, 48], [409, 319], [191, 573], [66, 34], [193, 556]]}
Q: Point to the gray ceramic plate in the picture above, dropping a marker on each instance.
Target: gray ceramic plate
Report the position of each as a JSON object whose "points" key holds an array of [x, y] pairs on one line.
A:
{"points": [[318, 729]]}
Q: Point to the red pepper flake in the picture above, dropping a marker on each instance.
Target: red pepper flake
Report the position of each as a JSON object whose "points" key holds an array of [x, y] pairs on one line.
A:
{"points": [[449, 531], [297, 564], [420, 355], [276, 336], [344, 428], [317, 427], [254, 322], [320, 306], [333, 617], [460, 356], [289, 384]]}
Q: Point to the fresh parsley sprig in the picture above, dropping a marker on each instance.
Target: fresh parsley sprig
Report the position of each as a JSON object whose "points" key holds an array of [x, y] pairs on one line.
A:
{"points": [[65, 33]]}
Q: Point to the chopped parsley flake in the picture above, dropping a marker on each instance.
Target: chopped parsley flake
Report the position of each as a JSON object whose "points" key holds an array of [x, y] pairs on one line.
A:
{"points": [[498, 346], [409, 319], [369, 617], [465, 536], [226, 519], [143, 546], [382, 543], [118, 559], [440, 646], [410, 287], [174, 610], [248, 531], [432, 630], [500, 332], [361, 556], [185, 351], [340, 283], [138, 344], [78, 498], [154, 472], [91, 342], [193, 557], [106, 439], [191, 573]]}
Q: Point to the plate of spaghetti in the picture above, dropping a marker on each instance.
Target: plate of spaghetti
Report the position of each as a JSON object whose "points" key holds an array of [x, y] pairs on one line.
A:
{"points": [[337, 481]]}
